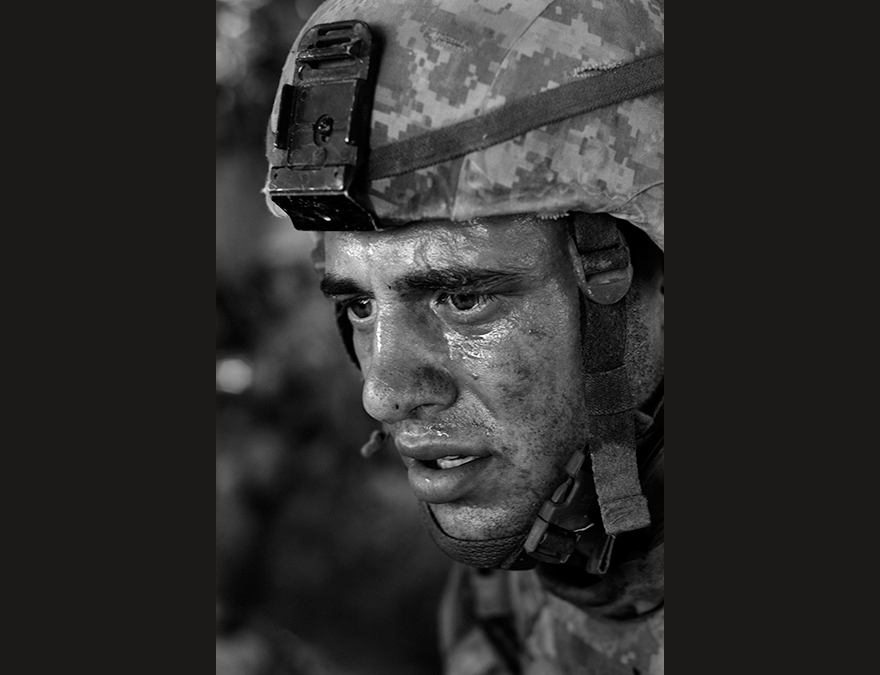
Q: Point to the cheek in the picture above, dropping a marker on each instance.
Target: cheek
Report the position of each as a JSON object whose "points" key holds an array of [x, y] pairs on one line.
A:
{"points": [[542, 381], [481, 356], [526, 372]]}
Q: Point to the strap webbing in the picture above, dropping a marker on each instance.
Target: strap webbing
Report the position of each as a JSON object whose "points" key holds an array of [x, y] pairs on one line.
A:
{"points": [[513, 119], [609, 391], [612, 426]]}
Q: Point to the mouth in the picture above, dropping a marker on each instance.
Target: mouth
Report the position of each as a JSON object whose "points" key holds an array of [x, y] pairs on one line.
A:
{"points": [[449, 462], [439, 477], [444, 467]]}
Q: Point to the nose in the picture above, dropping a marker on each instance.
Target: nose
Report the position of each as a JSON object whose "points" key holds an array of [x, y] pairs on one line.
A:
{"points": [[405, 370]]}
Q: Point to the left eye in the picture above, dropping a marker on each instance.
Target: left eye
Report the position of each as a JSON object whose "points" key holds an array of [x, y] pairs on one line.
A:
{"points": [[464, 302]]}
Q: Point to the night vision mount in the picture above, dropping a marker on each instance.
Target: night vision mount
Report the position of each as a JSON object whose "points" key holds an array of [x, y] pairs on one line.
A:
{"points": [[323, 124]]}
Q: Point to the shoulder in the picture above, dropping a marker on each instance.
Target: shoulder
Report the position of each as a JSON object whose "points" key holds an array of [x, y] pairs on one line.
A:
{"points": [[489, 619]]}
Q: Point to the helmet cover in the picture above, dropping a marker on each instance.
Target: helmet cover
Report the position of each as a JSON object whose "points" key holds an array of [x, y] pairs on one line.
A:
{"points": [[445, 61]]}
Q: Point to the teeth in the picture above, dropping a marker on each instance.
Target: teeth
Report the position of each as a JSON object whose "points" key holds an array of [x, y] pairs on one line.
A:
{"points": [[453, 461]]}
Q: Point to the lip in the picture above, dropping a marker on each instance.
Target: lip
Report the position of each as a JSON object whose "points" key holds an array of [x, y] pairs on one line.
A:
{"points": [[435, 485], [427, 452], [439, 486]]}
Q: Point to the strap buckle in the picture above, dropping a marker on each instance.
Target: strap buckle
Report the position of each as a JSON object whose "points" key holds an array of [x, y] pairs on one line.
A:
{"points": [[563, 517], [605, 259]]}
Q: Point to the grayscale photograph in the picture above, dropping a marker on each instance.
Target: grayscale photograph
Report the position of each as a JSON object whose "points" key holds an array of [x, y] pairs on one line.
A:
{"points": [[440, 337]]}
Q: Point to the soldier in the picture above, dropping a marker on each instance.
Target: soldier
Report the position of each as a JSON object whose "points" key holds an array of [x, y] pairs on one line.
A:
{"points": [[485, 180]]}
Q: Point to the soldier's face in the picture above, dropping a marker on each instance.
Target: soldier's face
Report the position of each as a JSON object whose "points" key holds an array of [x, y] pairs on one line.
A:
{"points": [[468, 341]]}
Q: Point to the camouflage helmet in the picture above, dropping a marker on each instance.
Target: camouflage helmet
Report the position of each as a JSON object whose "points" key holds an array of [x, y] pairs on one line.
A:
{"points": [[445, 62]]}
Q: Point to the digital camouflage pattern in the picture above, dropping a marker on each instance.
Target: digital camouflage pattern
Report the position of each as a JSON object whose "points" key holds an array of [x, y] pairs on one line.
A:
{"points": [[445, 61], [552, 636]]}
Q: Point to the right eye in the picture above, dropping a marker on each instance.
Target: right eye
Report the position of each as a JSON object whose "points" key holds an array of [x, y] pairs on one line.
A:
{"points": [[360, 309]]}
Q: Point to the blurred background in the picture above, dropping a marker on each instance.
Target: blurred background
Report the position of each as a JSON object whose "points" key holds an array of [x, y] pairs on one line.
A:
{"points": [[322, 565]]}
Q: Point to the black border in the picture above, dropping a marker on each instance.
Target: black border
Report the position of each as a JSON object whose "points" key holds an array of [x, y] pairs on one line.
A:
{"points": [[113, 327], [753, 553]]}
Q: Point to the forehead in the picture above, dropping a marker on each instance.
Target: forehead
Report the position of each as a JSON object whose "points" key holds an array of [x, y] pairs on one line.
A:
{"points": [[514, 242]]}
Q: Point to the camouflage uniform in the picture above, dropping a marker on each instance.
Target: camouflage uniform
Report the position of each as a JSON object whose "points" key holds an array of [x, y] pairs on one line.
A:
{"points": [[546, 636], [448, 61]]}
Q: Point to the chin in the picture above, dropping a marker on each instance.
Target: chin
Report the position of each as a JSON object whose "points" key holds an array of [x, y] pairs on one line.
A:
{"points": [[479, 523]]}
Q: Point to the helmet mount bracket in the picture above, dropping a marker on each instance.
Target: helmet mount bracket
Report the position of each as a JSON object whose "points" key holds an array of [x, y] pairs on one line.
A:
{"points": [[323, 125]]}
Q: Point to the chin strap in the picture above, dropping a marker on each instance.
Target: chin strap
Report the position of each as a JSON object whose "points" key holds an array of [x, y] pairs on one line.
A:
{"points": [[510, 552], [604, 277], [502, 553], [610, 401]]}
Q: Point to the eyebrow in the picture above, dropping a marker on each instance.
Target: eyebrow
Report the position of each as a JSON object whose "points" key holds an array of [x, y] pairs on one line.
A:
{"points": [[449, 280], [332, 285]]}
